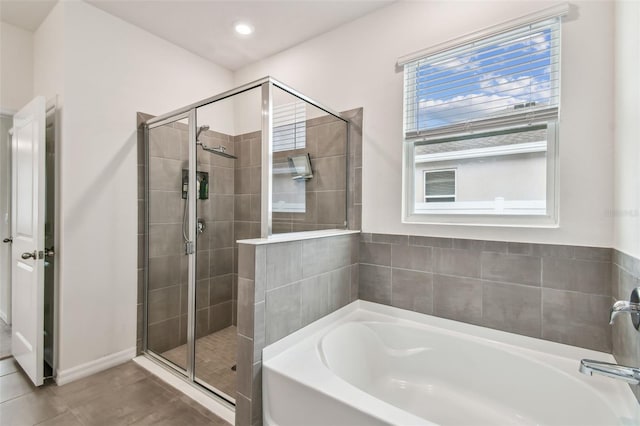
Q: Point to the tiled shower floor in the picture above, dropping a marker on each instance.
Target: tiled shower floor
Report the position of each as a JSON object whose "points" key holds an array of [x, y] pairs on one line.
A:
{"points": [[215, 355]]}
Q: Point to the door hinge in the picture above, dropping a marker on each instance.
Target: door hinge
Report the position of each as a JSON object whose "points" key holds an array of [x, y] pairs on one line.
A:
{"points": [[189, 247]]}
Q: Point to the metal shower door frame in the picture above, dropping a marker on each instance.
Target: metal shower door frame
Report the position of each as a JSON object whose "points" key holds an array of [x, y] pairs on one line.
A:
{"points": [[189, 112], [188, 372]]}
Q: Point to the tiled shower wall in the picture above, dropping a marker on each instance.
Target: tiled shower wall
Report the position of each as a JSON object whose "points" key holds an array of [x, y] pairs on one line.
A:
{"points": [[247, 196], [168, 155], [554, 292], [325, 192], [626, 339], [141, 151], [326, 143], [232, 213], [283, 287]]}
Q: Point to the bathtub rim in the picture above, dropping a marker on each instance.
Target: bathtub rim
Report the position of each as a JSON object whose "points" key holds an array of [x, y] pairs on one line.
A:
{"points": [[621, 401], [472, 331]]}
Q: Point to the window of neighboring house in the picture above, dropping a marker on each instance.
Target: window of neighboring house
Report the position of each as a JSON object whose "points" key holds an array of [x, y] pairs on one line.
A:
{"points": [[289, 134], [439, 186], [486, 110]]}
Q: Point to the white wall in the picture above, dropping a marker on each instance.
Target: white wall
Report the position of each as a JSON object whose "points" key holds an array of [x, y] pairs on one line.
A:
{"points": [[49, 53], [106, 70], [627, 128], [354, 66], [111, 70], [16, 67]]}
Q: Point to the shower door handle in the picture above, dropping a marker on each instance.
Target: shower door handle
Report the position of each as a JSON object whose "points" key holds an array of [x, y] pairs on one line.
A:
{"points": [[7, 240]]}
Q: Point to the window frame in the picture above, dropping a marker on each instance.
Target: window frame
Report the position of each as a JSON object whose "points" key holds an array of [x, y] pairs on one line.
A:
{"points": [[425, 197], [469, 217]]}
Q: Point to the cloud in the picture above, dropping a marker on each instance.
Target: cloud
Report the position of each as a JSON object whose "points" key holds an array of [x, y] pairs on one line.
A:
{"points": [[436, 112], [536, 88], [479, 104], [486, 82]]}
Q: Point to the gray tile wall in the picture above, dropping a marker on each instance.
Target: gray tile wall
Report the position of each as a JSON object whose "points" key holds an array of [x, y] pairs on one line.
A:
{"points": [[354, 200], [327, 280], [247, 196], [326, 197], [168, 155], [626, 339], [141, 154], [283, 287], [558, 293]]}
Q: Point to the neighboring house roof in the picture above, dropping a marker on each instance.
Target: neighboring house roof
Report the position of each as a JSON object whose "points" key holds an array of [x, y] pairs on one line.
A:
{"points": [[483, 142]]}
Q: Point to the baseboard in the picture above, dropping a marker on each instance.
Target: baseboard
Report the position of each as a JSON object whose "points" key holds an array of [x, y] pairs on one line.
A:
{"points": [[74, 373]]}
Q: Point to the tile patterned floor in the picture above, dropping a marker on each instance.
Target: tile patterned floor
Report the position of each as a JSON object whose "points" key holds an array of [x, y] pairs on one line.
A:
{"points": [[123, 395], [215, 355], [5, 340]]}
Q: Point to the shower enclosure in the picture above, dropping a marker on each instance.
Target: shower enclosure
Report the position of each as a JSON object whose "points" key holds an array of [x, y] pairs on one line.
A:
{"points": [[258, 160]]}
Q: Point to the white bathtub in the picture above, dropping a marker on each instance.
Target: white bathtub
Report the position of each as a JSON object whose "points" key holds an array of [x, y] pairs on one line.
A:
{"points": [[369, 364]]}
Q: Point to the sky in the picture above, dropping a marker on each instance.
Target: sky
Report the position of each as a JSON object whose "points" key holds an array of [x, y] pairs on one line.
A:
{"points": [[487, 78]]}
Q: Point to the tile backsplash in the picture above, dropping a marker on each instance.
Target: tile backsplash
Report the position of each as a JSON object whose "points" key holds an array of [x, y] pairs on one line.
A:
{"points": [[284, 287], [555, 292]]}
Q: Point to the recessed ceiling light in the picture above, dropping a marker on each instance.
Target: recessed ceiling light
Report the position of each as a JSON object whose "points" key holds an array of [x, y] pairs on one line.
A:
{"points": [[243, 28]]}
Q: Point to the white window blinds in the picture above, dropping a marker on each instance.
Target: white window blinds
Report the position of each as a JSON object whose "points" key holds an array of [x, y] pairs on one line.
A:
{"points": [[440, 184], [289, 126], [502, 80]]}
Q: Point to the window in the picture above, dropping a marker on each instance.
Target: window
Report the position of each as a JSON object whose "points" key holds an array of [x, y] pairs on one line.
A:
{"points": [[289, 126], [480, 125], [289, 134], [439, 186]]}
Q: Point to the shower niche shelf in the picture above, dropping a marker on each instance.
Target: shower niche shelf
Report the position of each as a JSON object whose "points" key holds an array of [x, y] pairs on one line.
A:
{"points": [[202, 179]]}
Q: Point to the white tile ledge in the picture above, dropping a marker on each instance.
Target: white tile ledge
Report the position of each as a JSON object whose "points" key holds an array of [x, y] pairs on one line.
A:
{"points": [[298, 236]]}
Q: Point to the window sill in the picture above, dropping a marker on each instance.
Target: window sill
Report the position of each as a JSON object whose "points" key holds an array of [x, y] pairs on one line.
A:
{"points": [[485, 220]]}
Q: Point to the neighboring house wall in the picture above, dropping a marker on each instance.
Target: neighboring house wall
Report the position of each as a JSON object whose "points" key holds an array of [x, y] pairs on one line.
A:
{"points": [[514, 177]]}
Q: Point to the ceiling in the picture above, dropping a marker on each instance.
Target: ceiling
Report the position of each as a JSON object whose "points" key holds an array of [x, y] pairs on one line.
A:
{"points": [[26, 14], [205, 27]]}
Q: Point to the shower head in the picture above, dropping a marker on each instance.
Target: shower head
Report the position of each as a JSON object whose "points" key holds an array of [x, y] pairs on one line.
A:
{"points": [[201, 129], [218, 150]]}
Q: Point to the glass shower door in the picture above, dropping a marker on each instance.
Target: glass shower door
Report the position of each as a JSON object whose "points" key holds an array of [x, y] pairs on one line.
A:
{"points": [[168, 230]]}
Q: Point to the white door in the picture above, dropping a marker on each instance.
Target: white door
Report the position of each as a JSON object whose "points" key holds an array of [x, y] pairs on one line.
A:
{"points": [[27, 226]]}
